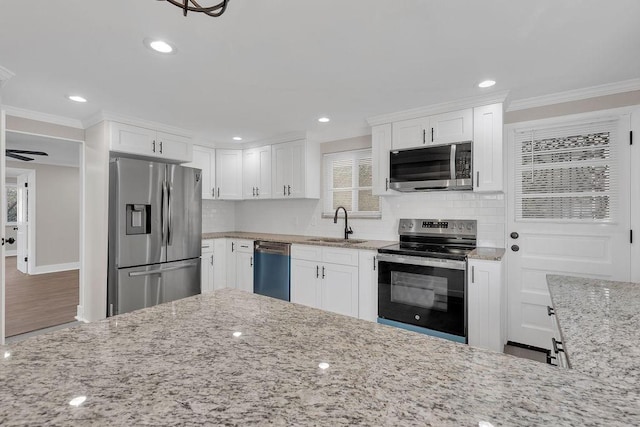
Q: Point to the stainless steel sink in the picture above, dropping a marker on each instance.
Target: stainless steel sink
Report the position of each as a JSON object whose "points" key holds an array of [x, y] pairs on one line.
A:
{"points": [[336, 240]]}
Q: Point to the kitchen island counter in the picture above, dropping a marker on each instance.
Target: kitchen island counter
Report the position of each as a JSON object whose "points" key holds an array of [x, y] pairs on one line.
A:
{"points": [[180, 363]]}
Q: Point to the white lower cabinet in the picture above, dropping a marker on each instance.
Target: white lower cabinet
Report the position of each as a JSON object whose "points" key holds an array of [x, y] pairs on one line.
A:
{"points": [[486, 305], [326, 285], [239, 264], [206, 267], [368, 285], [219, 263]]}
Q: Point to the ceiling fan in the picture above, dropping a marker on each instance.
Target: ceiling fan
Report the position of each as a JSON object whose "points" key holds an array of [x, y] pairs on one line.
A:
{"points": [[17, 154]]}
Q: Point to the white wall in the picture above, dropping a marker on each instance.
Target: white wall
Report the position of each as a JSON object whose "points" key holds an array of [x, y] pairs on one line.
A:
{"points": [[304, 216]]}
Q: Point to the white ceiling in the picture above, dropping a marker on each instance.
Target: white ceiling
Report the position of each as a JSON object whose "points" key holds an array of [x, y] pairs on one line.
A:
{"points": [[60, 152], [271, 67]]}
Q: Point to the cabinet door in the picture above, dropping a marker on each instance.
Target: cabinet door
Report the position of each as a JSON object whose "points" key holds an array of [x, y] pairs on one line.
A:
{"points": [[229, 174], [305, 280], [297, 174], [230, 263], [249, 173], [410, 133], [485, 305], [219, 263], [487, 149], [133, 140], [263, 174], [244, 271], [206, 272], [280, 170], [204, 158], [339, 289], [380, 148], [455, 126], [368, 286], [174, 147]]}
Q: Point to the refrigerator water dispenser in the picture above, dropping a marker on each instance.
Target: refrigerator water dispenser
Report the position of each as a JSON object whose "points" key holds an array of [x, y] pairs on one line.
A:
{"points": [[138, 219]]}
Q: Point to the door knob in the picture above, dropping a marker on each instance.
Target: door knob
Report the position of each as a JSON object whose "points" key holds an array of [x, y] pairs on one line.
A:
{"points": [[514, 235], [11, 240], [515, 248]]}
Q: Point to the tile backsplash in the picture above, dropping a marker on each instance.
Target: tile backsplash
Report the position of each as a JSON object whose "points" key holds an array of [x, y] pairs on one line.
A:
{"points": [[305, 216]]}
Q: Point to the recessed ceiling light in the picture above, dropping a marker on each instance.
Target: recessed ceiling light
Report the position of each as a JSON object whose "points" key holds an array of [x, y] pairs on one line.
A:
{"points": [[159, 46], [77, 98], [486, 83], [324, 119], [237, 138]]}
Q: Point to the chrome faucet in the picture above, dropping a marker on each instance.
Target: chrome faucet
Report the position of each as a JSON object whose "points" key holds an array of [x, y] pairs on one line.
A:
{"points": [[347, 229]]}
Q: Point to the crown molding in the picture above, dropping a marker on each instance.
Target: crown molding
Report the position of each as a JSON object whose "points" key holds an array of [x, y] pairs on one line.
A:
{"points": [[285, 137], [109, 116], [42, 117], [5, 75], [575, 95], [475, 101], [343, 132]]}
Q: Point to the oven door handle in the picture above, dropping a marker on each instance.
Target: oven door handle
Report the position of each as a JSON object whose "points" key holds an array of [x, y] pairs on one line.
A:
{"points": [[422, 261]]}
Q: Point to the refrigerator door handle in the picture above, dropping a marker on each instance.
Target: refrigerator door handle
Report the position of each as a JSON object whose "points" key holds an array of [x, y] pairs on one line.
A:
{"points": [[162, 215], [160, 270], [169, 235]]}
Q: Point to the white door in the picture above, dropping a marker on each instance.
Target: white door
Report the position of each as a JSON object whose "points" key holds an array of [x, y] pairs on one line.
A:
{"points": [[487, 148], [567, 213], [263, 182], [281, 170], [204, 158], [296, 186], [219, 263], [249, 173], [409, 133], [305, 282], [244, 271], [368, 285], [455, 126], [339, 289], [134, 140], [174, 147], [22, 238], [229, 174], [380, 149], [230, 263]]}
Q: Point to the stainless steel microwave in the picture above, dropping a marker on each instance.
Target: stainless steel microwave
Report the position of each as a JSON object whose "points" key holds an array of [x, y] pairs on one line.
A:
{"points": [[435, 167]]}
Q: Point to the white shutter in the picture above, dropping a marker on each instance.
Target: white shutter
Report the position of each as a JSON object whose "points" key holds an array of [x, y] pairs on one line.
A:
{"points": [[568, 173]]}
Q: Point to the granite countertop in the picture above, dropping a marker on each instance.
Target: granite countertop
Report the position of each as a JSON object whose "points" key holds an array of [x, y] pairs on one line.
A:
{"points": [[302, 240], [487, 254], [599, 321], [179, 363]]}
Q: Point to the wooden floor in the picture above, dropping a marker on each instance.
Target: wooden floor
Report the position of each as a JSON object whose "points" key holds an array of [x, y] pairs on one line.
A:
{"points": [[39, 301]]}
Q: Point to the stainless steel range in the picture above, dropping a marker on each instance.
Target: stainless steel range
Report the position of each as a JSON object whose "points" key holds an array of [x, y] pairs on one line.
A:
{"points": [[422, 281]]}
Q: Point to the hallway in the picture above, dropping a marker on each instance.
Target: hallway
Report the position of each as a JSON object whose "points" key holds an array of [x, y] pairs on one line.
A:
{"points": [[39, 301]]}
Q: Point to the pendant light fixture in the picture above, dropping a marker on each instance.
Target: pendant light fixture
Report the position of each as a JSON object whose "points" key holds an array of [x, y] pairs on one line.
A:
{"points": [[194, 6]]}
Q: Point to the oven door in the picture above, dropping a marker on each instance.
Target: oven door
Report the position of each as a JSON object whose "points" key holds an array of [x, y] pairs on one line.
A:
{"points": [[426, 292]]}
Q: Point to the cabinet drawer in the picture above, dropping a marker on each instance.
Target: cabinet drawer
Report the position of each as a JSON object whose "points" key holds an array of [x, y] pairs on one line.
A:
{"points": [[340, 256], [245, 246], [306, 252], [207, 246]]}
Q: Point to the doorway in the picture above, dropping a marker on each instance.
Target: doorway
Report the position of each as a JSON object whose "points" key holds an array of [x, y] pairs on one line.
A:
{"points": [[42, 264]]}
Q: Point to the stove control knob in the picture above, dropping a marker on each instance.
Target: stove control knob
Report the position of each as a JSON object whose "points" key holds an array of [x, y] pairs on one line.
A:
{"points": [[417, 317]]}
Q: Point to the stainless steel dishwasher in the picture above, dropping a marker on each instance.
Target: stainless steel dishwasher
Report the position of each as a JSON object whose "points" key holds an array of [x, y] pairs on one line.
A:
{"points": [[272, 270]]}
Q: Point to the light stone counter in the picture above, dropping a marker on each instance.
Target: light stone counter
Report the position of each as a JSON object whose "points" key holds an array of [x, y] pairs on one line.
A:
{"points": [[298, 239], [487, 254], [599, 322], [179, 364]]}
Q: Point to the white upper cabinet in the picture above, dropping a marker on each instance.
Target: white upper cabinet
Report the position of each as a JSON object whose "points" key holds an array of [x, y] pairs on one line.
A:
{"points": [[443, 128], [228, 174], [144, 142], [256, 171], [380, 147], [451, 127], [295, 170], [410, 133], [204, 158], [487, 149]]}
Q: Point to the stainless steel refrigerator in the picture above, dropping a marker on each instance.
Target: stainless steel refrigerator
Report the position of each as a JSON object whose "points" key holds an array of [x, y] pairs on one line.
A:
{"points": [[155, 233]]}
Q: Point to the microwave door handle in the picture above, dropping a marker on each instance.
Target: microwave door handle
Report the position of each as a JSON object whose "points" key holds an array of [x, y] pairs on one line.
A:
{"points": [[452, 162]]}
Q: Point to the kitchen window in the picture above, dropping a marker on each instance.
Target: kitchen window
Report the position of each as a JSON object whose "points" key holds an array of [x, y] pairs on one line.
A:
{"points": [[348, 182]]}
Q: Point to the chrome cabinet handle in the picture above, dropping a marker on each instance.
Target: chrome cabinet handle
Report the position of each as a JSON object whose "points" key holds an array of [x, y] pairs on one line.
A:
{"points": [[154, 146], [257, 191], [232, 246], [323, 271], [254, 191], [160, 147], [431, 134], [218, 192], [251, 261], [374, 263], [213, 192], [424, 136], [211, 259], [478, 179], [386, 184], [555, 346], [289, 189], [317, 271], [550, 311], [284, 190], [473, 274]]}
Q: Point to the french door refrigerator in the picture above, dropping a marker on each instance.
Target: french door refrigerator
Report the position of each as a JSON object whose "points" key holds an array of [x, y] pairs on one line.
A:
{"points": [[155, 233]]}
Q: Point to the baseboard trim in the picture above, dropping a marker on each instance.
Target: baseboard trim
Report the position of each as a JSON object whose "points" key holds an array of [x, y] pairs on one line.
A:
{"points": [[528, 347], [55, 268]]}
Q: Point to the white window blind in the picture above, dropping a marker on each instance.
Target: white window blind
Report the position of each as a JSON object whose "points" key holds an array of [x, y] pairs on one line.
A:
{"points": [[568, 173], [348, 182]]}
